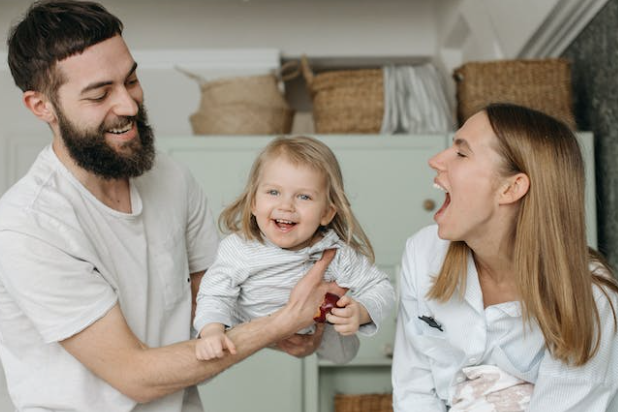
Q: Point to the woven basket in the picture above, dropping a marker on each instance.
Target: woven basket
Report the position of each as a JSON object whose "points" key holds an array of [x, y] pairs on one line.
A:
{"points": [[241, 105], [364, 403], [242, 119], [260, 89], [346, 101], [543, 84]]}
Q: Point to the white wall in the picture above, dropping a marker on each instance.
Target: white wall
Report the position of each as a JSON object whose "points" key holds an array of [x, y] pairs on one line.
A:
{"points": [[472, 30], [318, 27], [476, 30]]}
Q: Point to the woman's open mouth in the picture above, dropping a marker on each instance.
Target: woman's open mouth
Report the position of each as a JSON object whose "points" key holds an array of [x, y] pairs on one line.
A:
{"points": [[447, 200]]}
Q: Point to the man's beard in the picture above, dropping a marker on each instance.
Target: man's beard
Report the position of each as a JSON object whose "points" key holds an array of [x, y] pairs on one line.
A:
{"points": [[91, 152]]}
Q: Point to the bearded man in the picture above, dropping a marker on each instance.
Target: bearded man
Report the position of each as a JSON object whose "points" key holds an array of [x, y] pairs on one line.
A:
{"points": [[102, 244]]}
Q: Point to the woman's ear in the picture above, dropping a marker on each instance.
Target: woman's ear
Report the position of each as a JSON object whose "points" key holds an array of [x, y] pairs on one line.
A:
{"points": [[328, 215], [515, 188], [40, 105]]}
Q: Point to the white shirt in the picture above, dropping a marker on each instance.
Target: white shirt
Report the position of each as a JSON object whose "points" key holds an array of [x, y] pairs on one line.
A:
{"points": [[428, 362], [66, 259], [250, 279]]}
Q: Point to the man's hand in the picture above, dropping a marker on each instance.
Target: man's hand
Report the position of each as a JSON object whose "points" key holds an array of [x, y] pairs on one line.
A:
{"points": [[308, 294], [302, 345]]}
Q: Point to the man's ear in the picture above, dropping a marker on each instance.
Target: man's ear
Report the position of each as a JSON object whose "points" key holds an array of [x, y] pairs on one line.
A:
{"points": [[515, 188], [39, 104]]}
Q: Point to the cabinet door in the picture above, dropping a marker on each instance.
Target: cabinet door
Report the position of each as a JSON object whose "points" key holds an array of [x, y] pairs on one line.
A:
{"points": [[268, 381], [390, 188]]}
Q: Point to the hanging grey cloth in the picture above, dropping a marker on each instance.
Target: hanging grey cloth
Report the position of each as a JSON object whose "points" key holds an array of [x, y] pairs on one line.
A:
{"points": [[414, 101]]}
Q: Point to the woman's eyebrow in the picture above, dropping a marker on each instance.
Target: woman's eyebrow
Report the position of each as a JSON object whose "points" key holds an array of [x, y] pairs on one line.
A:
{"points": [[463, 143]]}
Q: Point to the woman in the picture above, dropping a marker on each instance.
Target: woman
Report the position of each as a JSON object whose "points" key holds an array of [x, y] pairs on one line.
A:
{"points": [[503, 307]]}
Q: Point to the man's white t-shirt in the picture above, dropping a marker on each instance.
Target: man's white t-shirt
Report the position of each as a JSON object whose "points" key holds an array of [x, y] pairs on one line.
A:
{"points": [[66, 259]]}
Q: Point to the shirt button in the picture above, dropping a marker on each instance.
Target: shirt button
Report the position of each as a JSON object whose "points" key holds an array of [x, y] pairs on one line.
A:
{"points": [[460, 379], [472, 361]]}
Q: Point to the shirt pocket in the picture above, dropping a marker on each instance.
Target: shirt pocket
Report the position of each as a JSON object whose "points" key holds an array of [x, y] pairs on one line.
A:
{"points": [[433, 343], [172, 268], [524, 365]]}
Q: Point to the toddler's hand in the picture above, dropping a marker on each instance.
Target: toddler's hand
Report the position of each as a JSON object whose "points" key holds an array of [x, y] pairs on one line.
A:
{"points": [[349, 316], [213, 342]]}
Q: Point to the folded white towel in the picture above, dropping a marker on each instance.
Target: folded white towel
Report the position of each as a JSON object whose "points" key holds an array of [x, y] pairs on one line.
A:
{"points": [[414, 101], [490, 389]]}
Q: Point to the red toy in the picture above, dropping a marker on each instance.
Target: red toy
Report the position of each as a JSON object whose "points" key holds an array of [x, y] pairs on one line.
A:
{"points": [[330, 302]]}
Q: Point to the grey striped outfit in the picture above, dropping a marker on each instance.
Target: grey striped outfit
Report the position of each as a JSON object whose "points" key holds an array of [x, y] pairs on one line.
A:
{"points": [[250, 279]]}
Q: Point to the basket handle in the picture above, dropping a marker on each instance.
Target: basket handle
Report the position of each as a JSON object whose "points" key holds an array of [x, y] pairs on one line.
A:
{"points": [[288, 71], [458, 75], [307, 72]]}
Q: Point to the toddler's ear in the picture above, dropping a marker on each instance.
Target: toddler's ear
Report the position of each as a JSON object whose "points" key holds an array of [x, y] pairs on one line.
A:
{"points": [[328, 216]]}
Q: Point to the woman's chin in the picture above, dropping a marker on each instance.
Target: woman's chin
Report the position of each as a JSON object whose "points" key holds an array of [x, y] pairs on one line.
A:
{"points": [[443, 231]]}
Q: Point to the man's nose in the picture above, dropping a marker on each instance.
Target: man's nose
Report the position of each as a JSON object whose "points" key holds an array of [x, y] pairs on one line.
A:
{"points": [[125, 104]]}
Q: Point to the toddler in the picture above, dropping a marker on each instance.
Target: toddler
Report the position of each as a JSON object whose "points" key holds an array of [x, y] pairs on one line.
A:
{"points": [[292, 209]]}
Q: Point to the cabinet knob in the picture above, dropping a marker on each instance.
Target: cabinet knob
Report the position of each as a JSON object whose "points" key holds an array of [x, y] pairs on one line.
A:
{"points": [[429, 205]]}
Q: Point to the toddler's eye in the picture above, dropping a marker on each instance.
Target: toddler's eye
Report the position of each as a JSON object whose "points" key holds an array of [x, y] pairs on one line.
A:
{"points": [[273, 192], [304, 197]]}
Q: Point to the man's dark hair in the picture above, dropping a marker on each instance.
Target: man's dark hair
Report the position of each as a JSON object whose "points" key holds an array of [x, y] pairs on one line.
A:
{"points": [[50, 32]]}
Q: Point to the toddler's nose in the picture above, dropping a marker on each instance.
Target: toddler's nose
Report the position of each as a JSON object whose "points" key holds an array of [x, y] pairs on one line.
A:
{"points": [[286, 204]]}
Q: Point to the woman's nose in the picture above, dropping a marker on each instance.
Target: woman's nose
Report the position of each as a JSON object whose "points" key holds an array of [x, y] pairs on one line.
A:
{"points": [[435, 162]]}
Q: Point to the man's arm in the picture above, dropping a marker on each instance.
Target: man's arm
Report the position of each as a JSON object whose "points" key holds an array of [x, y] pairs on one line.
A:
{"points": [[111, 351], [196, 279]]}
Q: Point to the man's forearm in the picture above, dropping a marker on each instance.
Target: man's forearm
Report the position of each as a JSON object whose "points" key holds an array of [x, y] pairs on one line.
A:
{"points": [[183, 369], [111, 350]]}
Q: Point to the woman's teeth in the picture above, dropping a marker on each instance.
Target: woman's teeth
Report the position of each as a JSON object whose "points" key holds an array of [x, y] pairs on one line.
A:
{"points": [[437, 186]]}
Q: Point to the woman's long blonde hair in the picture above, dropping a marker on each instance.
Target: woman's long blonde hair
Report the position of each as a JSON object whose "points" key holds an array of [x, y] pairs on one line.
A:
{"points": [[305, 151], [550, 254]]}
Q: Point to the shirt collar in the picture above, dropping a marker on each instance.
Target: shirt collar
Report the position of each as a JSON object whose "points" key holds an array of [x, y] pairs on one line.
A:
{"points": [[474, 294]]}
